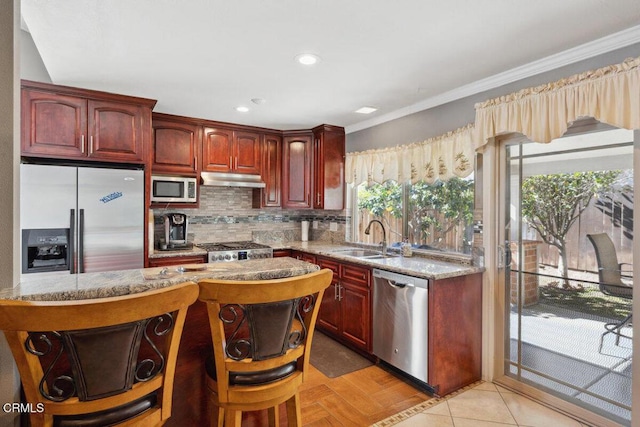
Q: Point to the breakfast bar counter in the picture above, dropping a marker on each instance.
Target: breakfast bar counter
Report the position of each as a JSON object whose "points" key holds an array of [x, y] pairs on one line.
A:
{"points": [[63, 287], [189, 397]]}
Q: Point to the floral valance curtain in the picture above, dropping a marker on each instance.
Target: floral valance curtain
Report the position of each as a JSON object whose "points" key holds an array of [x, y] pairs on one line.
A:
{"points": [[441, 157], [610, 95]]}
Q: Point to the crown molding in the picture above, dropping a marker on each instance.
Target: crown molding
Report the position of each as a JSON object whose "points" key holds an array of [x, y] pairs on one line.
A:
{"points": [[585, 51]]}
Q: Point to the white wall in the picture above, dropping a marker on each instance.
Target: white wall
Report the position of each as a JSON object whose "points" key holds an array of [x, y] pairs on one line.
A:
{"points": [[9, 153], [444, 118], [31, 65]]}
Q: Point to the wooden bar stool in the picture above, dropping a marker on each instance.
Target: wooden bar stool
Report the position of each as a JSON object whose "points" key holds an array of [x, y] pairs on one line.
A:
{"points": [[262, 332], [99, 362]]}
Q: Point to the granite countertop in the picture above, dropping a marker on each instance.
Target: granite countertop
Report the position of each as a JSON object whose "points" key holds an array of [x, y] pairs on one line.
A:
{"points": [[113, 283], [417, 266], [437, 266]]}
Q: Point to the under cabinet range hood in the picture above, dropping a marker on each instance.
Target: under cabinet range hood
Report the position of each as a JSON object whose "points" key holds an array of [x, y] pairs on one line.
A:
{"points": [[220, 179]]}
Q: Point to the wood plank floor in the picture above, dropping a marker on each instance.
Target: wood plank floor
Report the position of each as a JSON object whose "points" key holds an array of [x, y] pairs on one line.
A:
{"points": [[359, 398]]}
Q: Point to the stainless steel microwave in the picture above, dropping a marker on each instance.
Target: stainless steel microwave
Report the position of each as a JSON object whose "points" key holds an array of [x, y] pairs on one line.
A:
{"points": [[173, 189]]}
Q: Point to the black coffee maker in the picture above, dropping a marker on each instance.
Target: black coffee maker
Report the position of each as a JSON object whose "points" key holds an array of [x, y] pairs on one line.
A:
{"points": [[175, 230]]}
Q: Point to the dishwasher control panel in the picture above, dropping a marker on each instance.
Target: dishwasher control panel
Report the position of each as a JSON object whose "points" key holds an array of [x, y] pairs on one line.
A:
{"points": [[401, 279]]}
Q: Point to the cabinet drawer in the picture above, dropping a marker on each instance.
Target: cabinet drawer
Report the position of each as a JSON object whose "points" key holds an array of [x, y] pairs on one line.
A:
{"points": [[331, 265], [177, 260], [303, 256], [281, 252], [355, 274]]}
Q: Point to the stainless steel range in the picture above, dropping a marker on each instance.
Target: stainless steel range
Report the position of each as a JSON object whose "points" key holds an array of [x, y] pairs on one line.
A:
{"points": [[235, 251]]}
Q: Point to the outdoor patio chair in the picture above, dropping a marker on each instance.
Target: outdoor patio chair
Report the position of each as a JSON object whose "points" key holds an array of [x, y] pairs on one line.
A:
{"points": [[610, 277]]}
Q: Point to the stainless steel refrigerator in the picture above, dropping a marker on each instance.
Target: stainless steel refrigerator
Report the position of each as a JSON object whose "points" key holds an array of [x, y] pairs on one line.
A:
{"points": [[81, 219]]}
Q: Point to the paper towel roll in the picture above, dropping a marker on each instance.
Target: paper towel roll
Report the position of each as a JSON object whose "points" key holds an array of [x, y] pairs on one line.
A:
{"points": [[305, 231]]}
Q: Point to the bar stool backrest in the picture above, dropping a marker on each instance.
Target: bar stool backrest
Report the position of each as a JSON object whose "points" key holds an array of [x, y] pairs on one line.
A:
{"points": [[104, 361]]}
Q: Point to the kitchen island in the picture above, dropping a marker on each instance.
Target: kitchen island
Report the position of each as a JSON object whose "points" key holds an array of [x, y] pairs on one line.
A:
{"points": [[189, 398], [63, 287]]}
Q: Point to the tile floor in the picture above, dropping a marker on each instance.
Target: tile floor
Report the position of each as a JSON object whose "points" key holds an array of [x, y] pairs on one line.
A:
{"points": [[488, 405]]}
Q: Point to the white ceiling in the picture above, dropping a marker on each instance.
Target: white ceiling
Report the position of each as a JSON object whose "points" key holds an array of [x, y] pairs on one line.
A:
{"points": [[202, 58]]}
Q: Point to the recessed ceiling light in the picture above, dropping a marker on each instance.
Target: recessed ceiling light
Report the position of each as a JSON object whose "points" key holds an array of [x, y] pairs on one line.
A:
{"points": [[366, 110], [307, 59], [242, 109]]}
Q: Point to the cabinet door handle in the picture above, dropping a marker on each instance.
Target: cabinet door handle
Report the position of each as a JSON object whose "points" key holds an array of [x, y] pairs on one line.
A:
{"points": [[318, 199], [82, 143], [336, 290], [230, 162], [340, 293], [91, 145]]}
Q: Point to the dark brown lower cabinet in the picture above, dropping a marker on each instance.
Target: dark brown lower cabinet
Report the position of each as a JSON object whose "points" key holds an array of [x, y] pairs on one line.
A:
{"points": [[455, 332], [177, 260], [281, 252], [304, 257], [345, 312]]}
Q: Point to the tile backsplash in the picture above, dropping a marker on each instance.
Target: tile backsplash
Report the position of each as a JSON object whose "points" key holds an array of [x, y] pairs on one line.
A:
{"points": [[226, 214]]}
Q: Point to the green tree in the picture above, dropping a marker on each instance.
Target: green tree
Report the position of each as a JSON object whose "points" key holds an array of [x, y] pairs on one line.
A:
{"points": [[440, 207], [381, 198], [551, 204]]}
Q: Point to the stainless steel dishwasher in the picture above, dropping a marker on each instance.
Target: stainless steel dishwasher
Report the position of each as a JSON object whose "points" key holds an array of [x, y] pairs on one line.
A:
{"points": [[400, 321]]}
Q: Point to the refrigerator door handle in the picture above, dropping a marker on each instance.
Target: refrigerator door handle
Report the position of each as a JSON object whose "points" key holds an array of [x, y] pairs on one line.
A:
{"points": [[81, 242], [72, 239]]}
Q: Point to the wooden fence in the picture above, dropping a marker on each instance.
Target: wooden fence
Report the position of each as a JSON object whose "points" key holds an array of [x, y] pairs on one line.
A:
{"points": [[392, 226], [612, 214]]}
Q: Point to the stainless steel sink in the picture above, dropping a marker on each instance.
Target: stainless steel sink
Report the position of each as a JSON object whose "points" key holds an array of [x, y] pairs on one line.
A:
{"points": [[363, 253], [380, 256], [357, 252]]}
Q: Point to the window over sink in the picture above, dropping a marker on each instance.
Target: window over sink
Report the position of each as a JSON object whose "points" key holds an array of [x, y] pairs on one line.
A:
{"points": [[434, 216]]}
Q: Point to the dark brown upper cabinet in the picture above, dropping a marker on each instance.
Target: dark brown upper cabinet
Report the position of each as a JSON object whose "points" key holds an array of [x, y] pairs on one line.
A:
{"points": [[328, 167], [313, 168], [176, 146], [271, 195], [227, 150], [296, 173], [72, 123]]}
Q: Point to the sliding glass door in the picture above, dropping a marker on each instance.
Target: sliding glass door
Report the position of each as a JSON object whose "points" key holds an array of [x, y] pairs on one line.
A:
{"points": [[565, 332]]}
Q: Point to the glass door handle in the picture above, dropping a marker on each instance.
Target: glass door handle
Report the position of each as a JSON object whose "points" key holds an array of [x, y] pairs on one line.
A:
{"points": [[504, 255]]}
